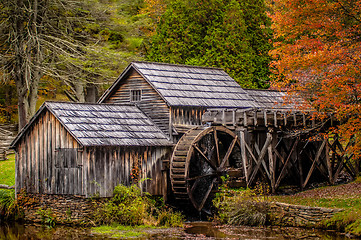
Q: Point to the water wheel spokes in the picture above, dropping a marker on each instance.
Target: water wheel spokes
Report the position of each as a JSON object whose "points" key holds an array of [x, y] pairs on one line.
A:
{"points": [[207, 154]]}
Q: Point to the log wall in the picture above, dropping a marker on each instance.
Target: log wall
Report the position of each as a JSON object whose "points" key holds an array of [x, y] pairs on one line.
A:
{"points": [[151, 103]]}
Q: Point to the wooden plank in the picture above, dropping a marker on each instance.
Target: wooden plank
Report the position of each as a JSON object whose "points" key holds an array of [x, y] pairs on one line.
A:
{"points": [[36, 157], [53, 156], [48, 153], [44, 177]]}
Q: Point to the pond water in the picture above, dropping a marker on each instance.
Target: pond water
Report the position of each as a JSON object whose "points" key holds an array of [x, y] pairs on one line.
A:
{"points": [[194, 230]]}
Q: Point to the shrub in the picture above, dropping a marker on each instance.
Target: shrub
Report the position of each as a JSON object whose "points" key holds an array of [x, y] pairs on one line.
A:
{"points": [[130, 206], [9, 209], [242, 207], [169, 218]]}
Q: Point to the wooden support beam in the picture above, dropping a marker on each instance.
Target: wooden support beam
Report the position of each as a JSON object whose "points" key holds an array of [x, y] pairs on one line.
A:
{"points": [[243, 153], [223, 117], [255, 120], [314, 162], [328, 162], [275, 119], [245, 120], [304, 120], [234, 117], [300, 170], [284, 169], [265, 118], [261, 157], [272, 161], [256, 147], [294, 119], [285, 119]]}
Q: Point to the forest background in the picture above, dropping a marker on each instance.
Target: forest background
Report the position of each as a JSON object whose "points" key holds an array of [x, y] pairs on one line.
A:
{"points": [[73, 50]]}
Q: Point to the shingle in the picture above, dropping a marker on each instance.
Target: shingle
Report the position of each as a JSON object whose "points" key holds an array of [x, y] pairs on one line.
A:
{"points": [[269, 99]]}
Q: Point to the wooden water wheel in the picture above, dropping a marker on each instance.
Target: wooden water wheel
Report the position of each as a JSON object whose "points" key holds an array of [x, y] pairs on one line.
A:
{"points": [[200, 158]]}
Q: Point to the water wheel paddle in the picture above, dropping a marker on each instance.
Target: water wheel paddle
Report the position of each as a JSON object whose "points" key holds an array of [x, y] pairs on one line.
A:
{"points": [[200, 158]]}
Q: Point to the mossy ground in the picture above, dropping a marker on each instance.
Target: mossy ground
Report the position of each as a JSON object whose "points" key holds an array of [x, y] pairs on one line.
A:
{"points": [[120, 231]]}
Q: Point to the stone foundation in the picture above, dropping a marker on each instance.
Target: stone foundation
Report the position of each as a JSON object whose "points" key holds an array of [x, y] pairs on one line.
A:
{"points": [[300, 216], [63, 209]]}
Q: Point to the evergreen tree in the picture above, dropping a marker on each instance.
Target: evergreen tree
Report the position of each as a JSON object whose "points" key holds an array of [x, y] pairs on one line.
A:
{"points": [[234, 35]]}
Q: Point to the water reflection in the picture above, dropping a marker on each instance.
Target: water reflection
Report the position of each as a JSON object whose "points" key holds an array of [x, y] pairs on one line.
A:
{"points": [[195, 230]]}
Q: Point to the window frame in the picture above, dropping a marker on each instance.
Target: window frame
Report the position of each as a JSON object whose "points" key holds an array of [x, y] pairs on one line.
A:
{"points": [[135, 95]]}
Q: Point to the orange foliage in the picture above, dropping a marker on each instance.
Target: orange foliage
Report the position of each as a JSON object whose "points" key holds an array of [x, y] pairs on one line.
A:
{"points": [[154, 9], [318, 55]]}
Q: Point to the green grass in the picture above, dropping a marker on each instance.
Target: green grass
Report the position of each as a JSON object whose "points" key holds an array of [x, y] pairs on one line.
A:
{"points": [[353, 204], [7, 171], [120, 231]]}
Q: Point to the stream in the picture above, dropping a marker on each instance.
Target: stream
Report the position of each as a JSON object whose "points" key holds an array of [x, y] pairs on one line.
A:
{"points": [[192, 230]]}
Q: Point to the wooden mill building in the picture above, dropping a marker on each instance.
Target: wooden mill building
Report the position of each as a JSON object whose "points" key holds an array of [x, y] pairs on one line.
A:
{"points": [[87, 149], [179, 127]]}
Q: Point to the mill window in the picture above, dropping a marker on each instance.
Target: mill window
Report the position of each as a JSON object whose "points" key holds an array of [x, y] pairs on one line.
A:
{"points": [[135, 95]]}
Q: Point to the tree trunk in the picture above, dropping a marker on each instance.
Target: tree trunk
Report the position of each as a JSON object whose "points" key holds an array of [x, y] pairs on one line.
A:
{"points": [[79, 90], [91, 93]]}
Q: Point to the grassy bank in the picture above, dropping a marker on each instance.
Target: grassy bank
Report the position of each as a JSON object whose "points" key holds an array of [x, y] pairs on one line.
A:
{"points": [[252, 207], [7, 171], [346, 197], [8, 206]]}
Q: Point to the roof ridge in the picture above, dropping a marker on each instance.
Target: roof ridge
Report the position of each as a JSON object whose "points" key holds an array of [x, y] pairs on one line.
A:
{"points": [[99, 104], [265, 90], [179, 65]]}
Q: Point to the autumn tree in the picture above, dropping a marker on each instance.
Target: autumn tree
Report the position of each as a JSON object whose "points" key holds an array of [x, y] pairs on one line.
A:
{"points": [[79, 43], [317, 55], [234, 35], [33, 33]]}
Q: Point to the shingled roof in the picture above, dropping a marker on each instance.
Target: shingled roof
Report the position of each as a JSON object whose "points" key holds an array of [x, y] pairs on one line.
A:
{"points": [[273, 99], [104, 124], [182, 85]]}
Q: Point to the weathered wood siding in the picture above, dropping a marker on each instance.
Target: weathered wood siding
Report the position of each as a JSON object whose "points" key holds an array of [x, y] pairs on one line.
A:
{"points": [[151, 103], [187, 115], [48, 159], [106, 167]]}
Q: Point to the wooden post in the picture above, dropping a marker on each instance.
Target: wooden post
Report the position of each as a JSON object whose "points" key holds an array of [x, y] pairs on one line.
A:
{"points": [[275, 118], [300, 170], [243, 152], [223, 117], [255, 122], [234, 117], [265, 118], [328, 162], [271, 159], [245, 120]]}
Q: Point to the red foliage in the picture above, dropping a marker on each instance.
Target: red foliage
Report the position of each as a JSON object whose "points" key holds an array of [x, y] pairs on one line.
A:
{"points": [[318, 55]]}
